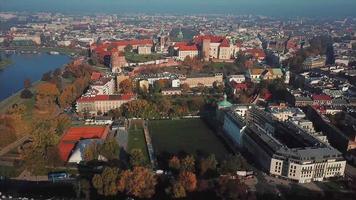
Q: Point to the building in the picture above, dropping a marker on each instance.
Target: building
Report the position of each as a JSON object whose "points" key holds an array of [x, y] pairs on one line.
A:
{"points": [[117, 61], [215, 47], [101, 103], [309, 128], [187, 51], [285, 150], [314, 62], [207, 47], [144, 84], [36, 39], [202, 80], [171, 92], [103, 51], [321, 100], [301, 101], [75, 135], [234, 127], [258, 74], [284, 113], [175, 83], [239, 78], [258, 54], [103, 86], [144, 50]]}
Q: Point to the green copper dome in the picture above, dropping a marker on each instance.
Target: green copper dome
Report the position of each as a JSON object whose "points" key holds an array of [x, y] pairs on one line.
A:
{"points": [[225, 103]]}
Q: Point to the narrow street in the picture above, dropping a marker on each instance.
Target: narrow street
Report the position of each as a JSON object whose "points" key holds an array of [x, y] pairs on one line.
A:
{"points": [[149, 145]]}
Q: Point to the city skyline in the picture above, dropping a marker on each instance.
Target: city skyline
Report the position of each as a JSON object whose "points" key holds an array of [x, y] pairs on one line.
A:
{"points": [[322, 8]]}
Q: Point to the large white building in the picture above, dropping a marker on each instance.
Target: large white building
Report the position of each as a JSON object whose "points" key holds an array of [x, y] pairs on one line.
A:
{"points": [[283, 149], [104, 86], [286, 150]]}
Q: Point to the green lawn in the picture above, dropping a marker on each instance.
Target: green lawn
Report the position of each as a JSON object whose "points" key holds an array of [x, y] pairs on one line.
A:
{"points": [[188, 135], [9, 171], [136, 140]]}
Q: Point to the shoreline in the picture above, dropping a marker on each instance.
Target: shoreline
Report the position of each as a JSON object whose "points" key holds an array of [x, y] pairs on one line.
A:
{"points": [[15, 97], [36, 50], [5, 63]]}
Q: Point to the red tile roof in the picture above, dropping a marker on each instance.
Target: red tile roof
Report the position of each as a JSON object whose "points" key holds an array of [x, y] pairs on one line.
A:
{"points": [[257, 53], [74, 134], [321, 97], [213, 38], [188, 48], [225, 43], [95, 76]]}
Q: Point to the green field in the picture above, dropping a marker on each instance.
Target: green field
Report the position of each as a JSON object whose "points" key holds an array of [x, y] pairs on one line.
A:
{"points": [[188, 135], [136, 139]]}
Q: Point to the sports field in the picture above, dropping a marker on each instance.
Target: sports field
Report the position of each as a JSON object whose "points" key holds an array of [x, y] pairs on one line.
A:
{"points": [[188, 135], [136, 139]]}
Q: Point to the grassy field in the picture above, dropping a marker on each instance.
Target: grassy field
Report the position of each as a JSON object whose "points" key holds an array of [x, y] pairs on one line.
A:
{"points": [[136, 139], [9, 171], [188, 135]]}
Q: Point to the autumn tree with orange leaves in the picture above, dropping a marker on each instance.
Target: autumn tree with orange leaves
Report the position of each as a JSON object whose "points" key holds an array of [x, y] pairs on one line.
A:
{"points": [[139, 182]]}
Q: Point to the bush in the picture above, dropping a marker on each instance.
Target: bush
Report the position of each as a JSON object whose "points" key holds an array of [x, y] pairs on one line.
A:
{"points": [[26, 94]]}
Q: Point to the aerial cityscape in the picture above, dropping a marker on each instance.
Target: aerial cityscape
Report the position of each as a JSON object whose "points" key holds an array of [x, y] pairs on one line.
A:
{"points": [[165, 99]]}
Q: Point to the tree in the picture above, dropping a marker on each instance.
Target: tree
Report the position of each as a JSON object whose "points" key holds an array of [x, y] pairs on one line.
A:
{"points": [[174, 163], [231, 164], [26, 94], [126, 86], [178, 190], [47, 90], [207, 164], [188, 164], [27, 83], [188, 180], [91, 152], [128, 48], [105, 183], [137, 158], [110, 149], [231, 189], [139, 182], [47, 76], [185, 88], [83, 186]]}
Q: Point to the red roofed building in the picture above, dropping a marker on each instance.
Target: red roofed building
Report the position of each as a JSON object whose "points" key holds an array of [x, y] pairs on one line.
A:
{"points": [[102, 103], [258, 54], [75, 134], [187, 50], [237, 87], [105, 49], [95, 76], [321, 99], [208, 47]]}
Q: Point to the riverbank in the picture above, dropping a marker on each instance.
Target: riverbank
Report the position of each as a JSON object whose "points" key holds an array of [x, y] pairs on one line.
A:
{"points": [[35, 49], [4, 63]]}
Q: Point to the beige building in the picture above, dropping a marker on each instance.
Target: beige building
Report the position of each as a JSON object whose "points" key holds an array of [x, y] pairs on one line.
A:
{"points": [[171, 92], [184, 53], [203, 80], [144, 84], [144, 50], [102, 103]]}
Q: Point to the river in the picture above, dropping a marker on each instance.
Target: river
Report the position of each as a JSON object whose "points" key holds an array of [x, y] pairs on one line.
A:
{"points": [[27, 66]]}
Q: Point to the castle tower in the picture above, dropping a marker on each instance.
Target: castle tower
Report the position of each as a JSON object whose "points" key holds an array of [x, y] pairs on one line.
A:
{"points": [[206, 49], [118, 61]]}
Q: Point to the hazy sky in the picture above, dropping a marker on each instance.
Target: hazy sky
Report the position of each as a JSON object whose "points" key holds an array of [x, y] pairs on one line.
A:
{"points": [[264, 7]]}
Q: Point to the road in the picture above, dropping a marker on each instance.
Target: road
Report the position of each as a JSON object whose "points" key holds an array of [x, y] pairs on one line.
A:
{"points": [[13, 145], [149, 145]]}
